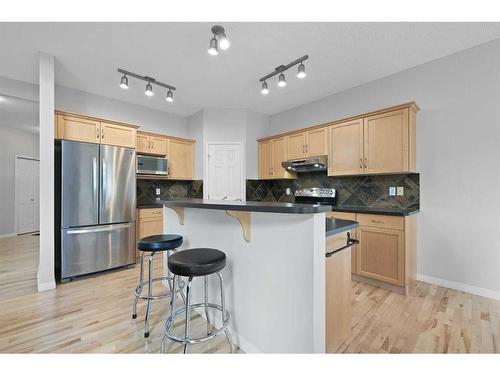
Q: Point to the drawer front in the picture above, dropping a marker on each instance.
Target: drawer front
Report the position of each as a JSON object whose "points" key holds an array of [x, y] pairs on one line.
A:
{"points": [[342, 215], [150, 212], [381, 221]]}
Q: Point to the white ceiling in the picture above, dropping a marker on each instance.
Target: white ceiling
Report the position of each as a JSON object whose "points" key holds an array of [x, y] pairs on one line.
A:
{"points": [[342, 55], [18, 113]]}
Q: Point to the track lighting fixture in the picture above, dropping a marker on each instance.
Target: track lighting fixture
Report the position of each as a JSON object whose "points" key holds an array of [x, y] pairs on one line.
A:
{"points": [[281, 80], [149, 90], [301, 73], [149, 86], [264, 89], [219, 40], [124, 82], [170, 96]]}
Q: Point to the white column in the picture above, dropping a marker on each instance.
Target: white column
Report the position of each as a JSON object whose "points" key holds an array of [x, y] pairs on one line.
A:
{"points": [[45, 277]]}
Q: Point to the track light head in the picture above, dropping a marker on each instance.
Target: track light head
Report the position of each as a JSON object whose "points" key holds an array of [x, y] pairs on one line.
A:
{"points": [[265, 89], [281, 80], [301, 73], [149, 90], [170, 96], [213, 48], [124, 82]]}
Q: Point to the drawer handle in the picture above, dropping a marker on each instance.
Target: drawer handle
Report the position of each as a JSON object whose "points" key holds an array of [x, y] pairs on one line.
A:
{"points": [[378, 221]]}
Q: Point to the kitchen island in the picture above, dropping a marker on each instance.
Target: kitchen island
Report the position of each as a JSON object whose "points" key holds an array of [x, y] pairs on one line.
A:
{"points": [[275, 274]]}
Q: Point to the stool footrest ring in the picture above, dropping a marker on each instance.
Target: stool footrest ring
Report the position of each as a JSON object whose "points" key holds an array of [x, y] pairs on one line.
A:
{"points": [[140, 287]]}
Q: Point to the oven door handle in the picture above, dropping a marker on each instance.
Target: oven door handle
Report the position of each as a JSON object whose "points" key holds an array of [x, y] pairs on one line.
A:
{"points": [[350, 242]]}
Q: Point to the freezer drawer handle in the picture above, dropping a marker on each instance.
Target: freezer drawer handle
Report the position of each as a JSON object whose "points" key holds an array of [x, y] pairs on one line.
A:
{"points": [[99, 229], [350, 242]]}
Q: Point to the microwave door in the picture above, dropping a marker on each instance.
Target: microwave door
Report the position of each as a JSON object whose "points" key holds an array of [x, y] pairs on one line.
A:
{"points": [[79, 184], [151, 165], [117, 186]]}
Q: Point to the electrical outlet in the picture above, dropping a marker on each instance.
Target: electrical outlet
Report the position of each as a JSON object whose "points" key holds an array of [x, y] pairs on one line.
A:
{"points": [[392, 191], [158, 192], [400, 191], [288, 191]]}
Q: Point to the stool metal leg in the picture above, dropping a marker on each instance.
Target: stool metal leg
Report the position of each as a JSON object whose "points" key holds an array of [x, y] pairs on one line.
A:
{"points": [[188, 313], [141, 280], [206, 305], [223, 310], [170, 281], [150, 293]]}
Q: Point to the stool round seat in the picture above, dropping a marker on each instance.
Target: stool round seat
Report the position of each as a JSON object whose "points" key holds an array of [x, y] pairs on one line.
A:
{"points": [[197, 262], [160, 242]]}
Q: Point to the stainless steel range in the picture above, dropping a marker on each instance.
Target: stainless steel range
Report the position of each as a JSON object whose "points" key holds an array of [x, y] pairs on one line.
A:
{"points": [[316, 196]]}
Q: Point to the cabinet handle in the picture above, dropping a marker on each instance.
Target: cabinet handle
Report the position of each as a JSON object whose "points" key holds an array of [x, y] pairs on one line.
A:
{"points": [[365, 163], [377, 221], [360, 163], [151, 144], [102, 133], [97, 132]]}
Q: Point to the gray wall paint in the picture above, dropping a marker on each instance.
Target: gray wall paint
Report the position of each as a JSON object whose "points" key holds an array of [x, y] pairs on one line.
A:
{"points": [[458, 156], [12, 142], [93, 105]]}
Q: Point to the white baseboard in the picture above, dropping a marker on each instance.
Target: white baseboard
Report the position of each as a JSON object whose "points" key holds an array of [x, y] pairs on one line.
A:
{"points": [[46, 286], [7, 235], [488, 293]]}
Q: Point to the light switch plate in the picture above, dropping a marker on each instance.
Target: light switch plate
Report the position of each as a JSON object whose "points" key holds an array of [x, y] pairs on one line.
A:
{"points": [[400, 191], [392, 191], [158, 192]]}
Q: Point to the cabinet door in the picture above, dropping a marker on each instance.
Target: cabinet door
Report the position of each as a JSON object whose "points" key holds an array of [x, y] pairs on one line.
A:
{"points": [[118, 135], [148, 226], [296, 146], [78, 129], [386, 142], [317, 141], [264, 159], [380, 254], [278, 155], [143, 142], [346, 149], [180, 159], [158, 145]]}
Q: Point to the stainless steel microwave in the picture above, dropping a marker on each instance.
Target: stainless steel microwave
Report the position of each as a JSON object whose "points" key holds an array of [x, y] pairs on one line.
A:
{"points": [[152, 165]]}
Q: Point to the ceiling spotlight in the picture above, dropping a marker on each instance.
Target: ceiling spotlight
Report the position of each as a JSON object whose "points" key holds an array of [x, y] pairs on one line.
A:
{"points": [[301, 73], [264, 90], [170, 96], [213, 48], [281, 80], [124, 82], [149, 90]]}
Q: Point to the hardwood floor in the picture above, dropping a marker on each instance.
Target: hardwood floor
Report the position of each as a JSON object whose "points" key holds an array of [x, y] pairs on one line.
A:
{"points": [[93, 315]]}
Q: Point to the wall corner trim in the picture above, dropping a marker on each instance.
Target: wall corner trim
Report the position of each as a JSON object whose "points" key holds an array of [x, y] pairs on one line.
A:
{"points": [[488, 293], [42, 287]]}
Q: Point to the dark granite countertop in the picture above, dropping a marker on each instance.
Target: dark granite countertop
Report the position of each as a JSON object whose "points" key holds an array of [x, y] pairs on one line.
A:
{"points": [[274, 207], [377, 211], [336, 226], [150, 205]]}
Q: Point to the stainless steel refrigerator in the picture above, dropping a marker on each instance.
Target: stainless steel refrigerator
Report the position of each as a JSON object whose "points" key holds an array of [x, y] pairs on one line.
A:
{"points": [[95, 208]]}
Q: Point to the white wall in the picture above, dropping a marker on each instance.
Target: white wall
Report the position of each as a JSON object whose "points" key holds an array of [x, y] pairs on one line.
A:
{"points": [[195, 131], [149, 119], [458, 157], [257, 127], [13, 142]]}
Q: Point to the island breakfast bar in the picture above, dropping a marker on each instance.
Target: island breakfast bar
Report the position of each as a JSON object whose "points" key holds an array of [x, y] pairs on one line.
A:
{"points": [[275, 274]]}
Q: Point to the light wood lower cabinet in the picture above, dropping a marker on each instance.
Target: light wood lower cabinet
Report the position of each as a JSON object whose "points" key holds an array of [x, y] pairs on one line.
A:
{"points": [[338, 293], [149, 223]]}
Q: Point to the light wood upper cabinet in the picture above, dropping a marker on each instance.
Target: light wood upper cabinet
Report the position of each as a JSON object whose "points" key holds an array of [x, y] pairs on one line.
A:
{"points": [[317, 142], [386, 141], [271, 154], [346, 148], [74, 128], [180, 155], [118, 135], [81, 128], [153, 144], [296, 146]]}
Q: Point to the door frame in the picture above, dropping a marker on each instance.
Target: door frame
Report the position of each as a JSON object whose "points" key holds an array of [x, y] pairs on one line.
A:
{"points": [[206, 147], [16, 195]]}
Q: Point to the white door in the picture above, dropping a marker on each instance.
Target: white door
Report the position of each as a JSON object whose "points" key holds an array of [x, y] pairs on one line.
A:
{"points": [[27, 195], [225, 174]]}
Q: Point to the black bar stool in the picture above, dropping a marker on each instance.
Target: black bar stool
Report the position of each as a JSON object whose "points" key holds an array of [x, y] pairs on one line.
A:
{"points": [[156, 244], [195, 263]]}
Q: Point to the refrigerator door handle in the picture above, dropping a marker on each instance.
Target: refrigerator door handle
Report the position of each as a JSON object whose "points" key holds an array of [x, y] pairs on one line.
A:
{"points": [[107, 228], [95, 187]]}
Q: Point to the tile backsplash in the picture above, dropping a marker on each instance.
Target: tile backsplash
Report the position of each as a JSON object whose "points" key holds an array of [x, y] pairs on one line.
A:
{"points": [[169, 189], [365, 191]]}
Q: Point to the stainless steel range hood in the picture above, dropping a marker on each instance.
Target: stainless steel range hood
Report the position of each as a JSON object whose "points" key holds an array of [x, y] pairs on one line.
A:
{"points": [[313, 164]]}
